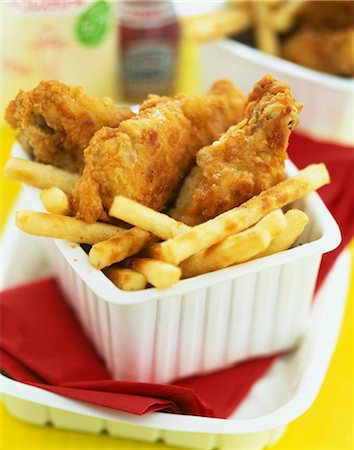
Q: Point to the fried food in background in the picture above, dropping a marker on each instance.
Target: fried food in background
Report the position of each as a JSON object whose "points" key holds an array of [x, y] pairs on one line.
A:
{"points": [[225, 22], [55, 122], [248, 159], [327, 14], [323, 38], [330, 51], [305, 32], [318, 35], [147, 156], [269, 19]]}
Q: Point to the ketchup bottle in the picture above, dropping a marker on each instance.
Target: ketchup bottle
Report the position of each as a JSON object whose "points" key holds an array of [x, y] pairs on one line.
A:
{"points": [[149, 35]]}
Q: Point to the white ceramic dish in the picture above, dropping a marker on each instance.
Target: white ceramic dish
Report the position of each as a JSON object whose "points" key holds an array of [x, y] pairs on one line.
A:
{"points": [[202, 323], [328, 100], [281, 396]]}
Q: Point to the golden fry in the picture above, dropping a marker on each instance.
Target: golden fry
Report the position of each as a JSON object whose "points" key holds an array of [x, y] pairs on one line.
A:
{"points": [[296, 223], [215, 25], [146, 218], [40, 175], [56, 201], [284, 17], [116, 248], [63, 227], [126, 279], [238, 219], [237, 248], [265, 36], [132, 241], [158, 273]]}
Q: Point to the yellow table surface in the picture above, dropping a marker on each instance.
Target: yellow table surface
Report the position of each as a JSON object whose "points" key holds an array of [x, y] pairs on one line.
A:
{"points": [[328, 424]]}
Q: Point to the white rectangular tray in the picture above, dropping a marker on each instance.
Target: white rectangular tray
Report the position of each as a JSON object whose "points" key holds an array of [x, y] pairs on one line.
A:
{"points": [[280, 397]]}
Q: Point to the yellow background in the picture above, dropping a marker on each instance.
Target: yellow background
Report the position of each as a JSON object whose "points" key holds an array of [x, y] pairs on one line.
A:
{"points": [[328, 424]]}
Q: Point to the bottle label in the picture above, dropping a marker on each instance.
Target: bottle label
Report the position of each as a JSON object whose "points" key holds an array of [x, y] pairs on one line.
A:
{"points": [[94, 23], [148, 67]]}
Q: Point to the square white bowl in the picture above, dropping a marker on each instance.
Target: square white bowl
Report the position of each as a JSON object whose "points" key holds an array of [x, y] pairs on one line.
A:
{"points": [[203, 323], [328, 112]]}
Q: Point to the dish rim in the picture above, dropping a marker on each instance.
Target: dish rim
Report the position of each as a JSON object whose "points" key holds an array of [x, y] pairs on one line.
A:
{"points": [[287, 67]]}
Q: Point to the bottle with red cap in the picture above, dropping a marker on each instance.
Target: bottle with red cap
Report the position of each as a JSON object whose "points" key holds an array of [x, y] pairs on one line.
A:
{"points": [[149, 34]]}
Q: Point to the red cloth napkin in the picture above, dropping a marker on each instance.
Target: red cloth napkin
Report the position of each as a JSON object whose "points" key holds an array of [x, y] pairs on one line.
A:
{"points": [[42, 344], [338, 195]]}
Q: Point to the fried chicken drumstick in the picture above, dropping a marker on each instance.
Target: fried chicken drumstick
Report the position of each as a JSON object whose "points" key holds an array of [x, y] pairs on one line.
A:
{"points": [[246, 160], [55, 122], [147, 156]]}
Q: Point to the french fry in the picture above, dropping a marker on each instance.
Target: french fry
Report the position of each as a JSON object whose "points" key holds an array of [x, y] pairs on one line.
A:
{"points": [[40, 175], [146, 218], [296, 223], [63, 227], [117, 248], [158, 273], [238, 219], [237, 248], [215, 25], [126, 279], [283, 18], [271, 18], [265, 36], [132, 241], [56, 201]]}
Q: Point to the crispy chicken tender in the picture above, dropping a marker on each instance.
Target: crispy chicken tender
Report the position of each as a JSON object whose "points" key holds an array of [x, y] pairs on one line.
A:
{"points": [[327, 50], [246, 160], [147, 156], [56, 122]]}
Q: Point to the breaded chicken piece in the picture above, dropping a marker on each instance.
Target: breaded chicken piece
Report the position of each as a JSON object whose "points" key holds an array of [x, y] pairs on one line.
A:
{"points": [[323, 38], [246, 160], [55, 122], [327, 50], [335, 15], [147, 156]]}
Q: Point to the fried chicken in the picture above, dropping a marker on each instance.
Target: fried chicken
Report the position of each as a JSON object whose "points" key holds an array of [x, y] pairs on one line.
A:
{"points": [[56, 122], [327, 50], [323, 38], [147, 156], [246, 160], [327, 14]]}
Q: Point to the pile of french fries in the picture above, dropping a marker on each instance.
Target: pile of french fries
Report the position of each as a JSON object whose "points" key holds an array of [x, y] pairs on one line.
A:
{"points": [[158, 251], [268, 18]]}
